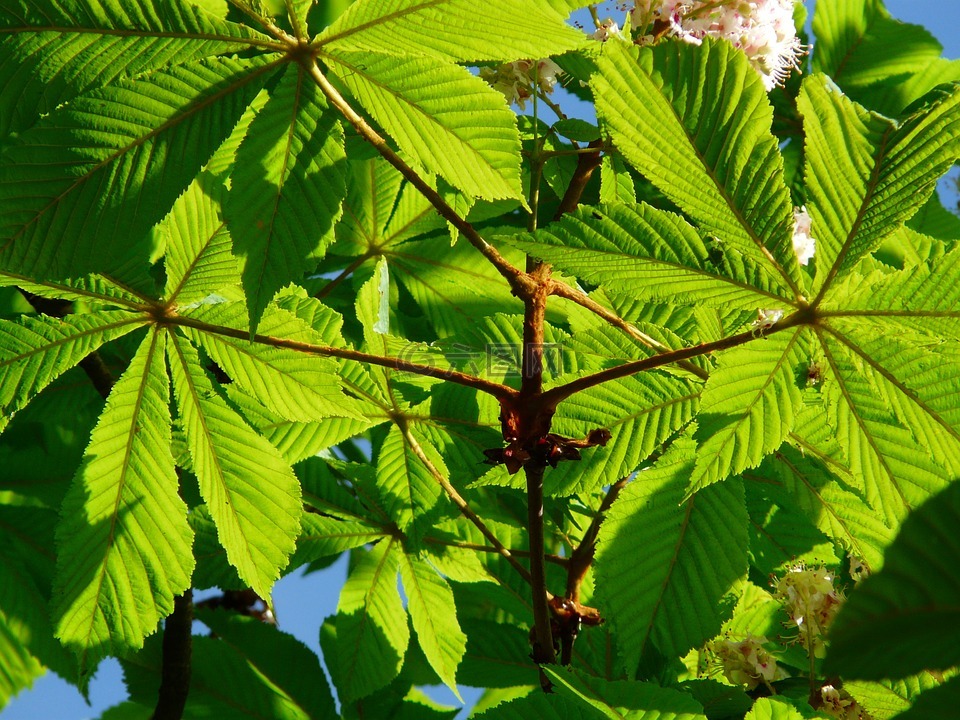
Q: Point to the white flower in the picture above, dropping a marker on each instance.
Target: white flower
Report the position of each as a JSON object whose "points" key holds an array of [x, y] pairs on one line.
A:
{"points": [[803, 244], [763, 29], [607, 29], [516, 80], [746, 662], [766, 319]]}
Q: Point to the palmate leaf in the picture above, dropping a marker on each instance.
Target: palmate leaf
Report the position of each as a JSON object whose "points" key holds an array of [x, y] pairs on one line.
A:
{"points": [[453, 30], [677, 592], [906, 618], [371, 625], [921, 298], [641, 412], [646, 253], [52, 52], [434, 615], [709, 150], [286, 189], [899, 444], [471, 141], [34, 351], [82, 188], [888, 171], [198, 257], [749, 405], [251, 492], [290, 383], [124, 542]]}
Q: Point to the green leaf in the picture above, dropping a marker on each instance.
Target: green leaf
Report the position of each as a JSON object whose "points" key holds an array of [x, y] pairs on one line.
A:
{"points": [[34, 351], [748, 405], [646, 253], [434, 615], [80, 191], [243, 673], [879, 61], [906, 618], [198, 258], [273, 654], [407, 488], [323, 536], [676, 593], [371, 625], [773, 709], [94, 289], [27, 560], [293, 385], [472, 142], [886, 698], [251, 492], [497, 656], [799, 479], [286, 190], [124, 542], [452, 286], [454, 30], [896, 442], [935, 703], [886, 173], [670, 111], [641, 412], [923, 297], [623, 699], [296, 441], [52, 52]]}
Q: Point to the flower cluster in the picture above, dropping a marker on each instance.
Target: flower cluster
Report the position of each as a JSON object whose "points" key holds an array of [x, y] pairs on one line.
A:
{"points": [[519, 80], [605, 30], [803, 243], [839, 704], [746, 662], [763, 29], [811, 602]]}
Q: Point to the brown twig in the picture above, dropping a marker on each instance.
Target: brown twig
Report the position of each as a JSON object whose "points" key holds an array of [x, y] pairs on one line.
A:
{"points": [[492, 388], [586, 164], [177, 654], [582, 556], [554, 559]]}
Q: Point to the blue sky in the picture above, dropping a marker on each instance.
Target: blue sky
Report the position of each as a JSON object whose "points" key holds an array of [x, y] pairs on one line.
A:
{"points": [[303, 602]]}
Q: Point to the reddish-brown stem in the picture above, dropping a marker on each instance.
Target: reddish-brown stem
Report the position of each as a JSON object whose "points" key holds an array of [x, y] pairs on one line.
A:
{"points": [[586, 164], [177, 654], [582, 556], [347, 272], [579, 297], [554, 559], [495, 389], [554, 396], [516, 278], [532, 426]]}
